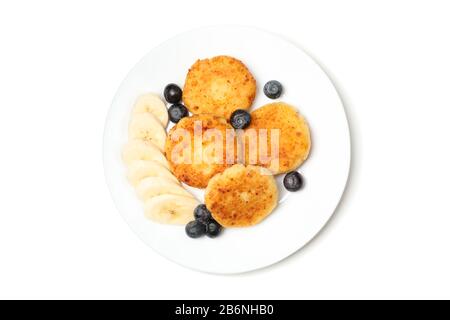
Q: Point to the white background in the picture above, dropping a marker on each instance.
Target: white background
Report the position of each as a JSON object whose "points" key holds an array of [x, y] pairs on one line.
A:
{"points": [[60, 65]]}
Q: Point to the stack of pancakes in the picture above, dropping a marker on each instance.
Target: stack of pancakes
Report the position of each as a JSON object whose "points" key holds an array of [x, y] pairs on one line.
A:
{"points": [[236, 194]]}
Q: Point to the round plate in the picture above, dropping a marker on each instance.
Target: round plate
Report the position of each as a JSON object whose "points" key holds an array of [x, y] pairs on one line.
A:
{"points": [[300, 215]]}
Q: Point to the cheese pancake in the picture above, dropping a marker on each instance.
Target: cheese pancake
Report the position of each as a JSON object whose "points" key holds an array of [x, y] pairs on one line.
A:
{"points": [[195, 161], [219, 85], [241, 196], [294, 141]]}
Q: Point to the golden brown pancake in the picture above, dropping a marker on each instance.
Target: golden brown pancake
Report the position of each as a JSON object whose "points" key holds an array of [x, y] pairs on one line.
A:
{"points": [[294, 138], [219, 85], [241, 196], [195, 164]]}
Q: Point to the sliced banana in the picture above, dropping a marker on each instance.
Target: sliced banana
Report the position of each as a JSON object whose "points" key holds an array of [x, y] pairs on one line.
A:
{"points": [[171, 209], [156, 186], [141, 169], [151, 103], [145, 126], [142, 150]]}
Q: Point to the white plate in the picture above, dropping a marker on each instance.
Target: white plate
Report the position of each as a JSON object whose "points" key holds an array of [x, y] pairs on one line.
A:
{"points": [[299, 216]]}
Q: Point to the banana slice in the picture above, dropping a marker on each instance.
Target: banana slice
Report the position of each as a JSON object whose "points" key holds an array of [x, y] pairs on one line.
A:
{"points": [[142, 150], [151, 103], [171, 209], [156, 186], [141, 169], [145, 126]]}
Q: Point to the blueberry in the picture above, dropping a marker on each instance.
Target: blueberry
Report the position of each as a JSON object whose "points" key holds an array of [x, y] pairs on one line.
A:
{"points": [[293, 181], [273, 89], [202, 214], [240, 119], [213, 229], [172, 93], [195, 229], [177, 112]]}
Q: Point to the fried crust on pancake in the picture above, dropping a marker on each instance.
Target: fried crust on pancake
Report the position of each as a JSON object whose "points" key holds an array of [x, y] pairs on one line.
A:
{"points": [[241, 196], [219, 85], [196, 164], [294, 137]]}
